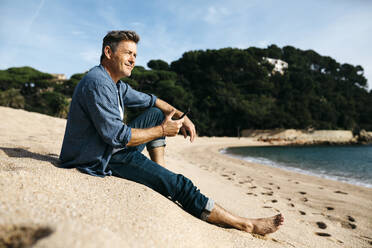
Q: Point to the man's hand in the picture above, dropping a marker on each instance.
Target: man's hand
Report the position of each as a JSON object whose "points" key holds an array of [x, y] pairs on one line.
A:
{"points": [[189, 127], [171, 127]]}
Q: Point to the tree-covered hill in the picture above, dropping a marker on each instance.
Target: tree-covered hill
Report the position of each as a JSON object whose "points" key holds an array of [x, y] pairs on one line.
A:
{"points": [[235, 88], [227, 89]]}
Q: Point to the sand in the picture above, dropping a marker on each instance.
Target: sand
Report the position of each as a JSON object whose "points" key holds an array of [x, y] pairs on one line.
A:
{"points": [[47, 206]]}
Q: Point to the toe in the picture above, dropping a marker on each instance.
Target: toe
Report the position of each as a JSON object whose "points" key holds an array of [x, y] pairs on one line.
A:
{"points": [[278, 220]]}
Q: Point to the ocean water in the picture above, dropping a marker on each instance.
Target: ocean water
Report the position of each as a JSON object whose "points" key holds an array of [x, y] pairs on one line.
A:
{"points": [[351, 164]]}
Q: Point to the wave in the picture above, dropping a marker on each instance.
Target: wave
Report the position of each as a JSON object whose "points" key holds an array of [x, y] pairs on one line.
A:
{"points": [[336, 176]]}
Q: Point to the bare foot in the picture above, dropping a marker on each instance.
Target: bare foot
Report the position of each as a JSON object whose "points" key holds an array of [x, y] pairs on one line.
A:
{"points": [[222, 217], [264, 226]]}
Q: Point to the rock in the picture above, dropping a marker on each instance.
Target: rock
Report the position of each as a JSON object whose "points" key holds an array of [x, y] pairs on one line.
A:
{"points": [[364, 137]]}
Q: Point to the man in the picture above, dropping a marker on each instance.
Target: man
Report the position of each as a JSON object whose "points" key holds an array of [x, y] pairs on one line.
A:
{"points": [[97, 141]]}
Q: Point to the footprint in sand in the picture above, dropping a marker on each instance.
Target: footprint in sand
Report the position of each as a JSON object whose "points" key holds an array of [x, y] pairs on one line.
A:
{"points": [[242, 181], [302, 193], [253, 187], [344, 224], [348, 225], [302, 212], [268, 188], [304, 199], [321, 225], [340, 192], [323, 234], [330, 208], [271, 184], [249, 193], [291, 205], [227, 177], [267, 193], [350, 218], [274, 201], [297, 183]]}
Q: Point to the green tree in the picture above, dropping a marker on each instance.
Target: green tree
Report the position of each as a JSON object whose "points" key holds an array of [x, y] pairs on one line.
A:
{"points": [[12, 98], [158, 65]]}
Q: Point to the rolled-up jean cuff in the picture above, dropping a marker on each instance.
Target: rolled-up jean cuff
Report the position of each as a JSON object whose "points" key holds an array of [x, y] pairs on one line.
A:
{"points": [[156, 143], [207, 210]]}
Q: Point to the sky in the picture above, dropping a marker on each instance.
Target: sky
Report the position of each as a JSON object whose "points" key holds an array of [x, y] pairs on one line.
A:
{"points": [[65, 36]]}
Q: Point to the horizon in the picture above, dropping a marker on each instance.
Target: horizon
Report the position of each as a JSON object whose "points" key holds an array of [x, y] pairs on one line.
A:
{"points": [[66, 37]]}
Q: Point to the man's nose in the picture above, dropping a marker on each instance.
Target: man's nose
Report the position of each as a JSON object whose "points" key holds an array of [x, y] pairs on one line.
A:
{"points": [[132, 59]]}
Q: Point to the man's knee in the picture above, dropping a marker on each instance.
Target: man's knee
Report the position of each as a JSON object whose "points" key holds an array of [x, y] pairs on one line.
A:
{"points": [[157, 112]]}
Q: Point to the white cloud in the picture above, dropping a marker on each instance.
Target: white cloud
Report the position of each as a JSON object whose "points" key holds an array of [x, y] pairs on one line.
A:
{"points": [[68, 29], [35, 15], [216, 14]]}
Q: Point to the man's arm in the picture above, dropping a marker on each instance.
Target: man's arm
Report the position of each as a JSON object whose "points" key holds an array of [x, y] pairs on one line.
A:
{"points": [[187, 126], [169, 127]]}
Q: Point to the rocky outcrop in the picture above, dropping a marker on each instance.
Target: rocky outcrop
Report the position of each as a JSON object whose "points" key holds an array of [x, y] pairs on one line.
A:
{"points": [[309, 137], [364, 137]]}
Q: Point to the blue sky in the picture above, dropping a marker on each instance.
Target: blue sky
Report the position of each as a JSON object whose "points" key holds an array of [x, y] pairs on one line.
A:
{"points": [[66, 36]]}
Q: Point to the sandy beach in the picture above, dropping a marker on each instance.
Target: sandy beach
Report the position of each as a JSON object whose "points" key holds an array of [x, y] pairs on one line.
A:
{"points": [[53, 207]]}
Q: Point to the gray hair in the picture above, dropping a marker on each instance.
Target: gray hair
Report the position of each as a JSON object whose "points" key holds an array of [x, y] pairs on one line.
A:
{"points": [[113, 38]]}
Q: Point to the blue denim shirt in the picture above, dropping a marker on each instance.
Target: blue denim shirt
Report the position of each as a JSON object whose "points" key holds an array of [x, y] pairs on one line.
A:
{"points": [[94, 126]]}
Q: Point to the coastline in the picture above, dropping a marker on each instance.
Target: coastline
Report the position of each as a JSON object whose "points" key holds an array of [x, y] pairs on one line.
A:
{"points": [[34, 194], [354, 178], [307, 201]]}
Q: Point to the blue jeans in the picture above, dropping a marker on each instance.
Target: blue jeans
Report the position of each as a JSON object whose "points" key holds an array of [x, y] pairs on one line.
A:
{"points": [[131, 164]]}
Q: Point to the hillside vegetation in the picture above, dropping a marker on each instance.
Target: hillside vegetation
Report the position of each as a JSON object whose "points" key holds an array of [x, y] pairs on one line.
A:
{"points": [[227, 90]]}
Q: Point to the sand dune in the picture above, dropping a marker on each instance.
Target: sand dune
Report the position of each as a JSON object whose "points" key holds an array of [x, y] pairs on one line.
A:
{"points": [[55, 207]]}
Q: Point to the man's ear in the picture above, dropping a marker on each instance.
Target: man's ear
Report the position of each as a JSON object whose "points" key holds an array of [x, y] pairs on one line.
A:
{"points": [[108, 52]]}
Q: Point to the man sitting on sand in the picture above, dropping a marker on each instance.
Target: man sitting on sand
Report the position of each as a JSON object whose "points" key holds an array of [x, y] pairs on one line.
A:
{"points": [[97, 141]]}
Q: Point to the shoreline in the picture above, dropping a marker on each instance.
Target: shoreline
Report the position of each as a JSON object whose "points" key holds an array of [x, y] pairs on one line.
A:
{"points": [[319, 196], [274, 164], [73, 207]]}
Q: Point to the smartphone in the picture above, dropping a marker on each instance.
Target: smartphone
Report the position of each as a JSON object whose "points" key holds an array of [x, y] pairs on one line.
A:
{"points": [[185, 113]]}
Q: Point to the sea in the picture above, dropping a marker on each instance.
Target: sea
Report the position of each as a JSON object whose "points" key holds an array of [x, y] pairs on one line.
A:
{"points": [[350, 164]]}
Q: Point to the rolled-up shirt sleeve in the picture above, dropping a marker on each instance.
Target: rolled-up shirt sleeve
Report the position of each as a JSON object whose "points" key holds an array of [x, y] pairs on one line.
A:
{"points": [[134, 99], [105, 115]]}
